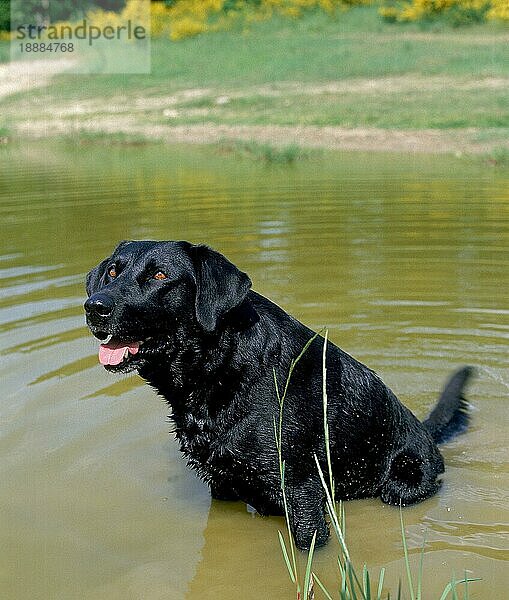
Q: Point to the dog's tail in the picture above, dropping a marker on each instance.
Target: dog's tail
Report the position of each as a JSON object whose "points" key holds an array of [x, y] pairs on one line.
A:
{"points": [[450, 415]]}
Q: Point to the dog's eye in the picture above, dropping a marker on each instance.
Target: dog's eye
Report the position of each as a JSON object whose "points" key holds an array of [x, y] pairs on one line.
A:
{"points": [[159, 276], [112, 272]]}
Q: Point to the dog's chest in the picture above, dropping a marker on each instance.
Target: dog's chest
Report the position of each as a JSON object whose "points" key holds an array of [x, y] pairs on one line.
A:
{"points": [[203, 439], [213, 447], [196, 434]]}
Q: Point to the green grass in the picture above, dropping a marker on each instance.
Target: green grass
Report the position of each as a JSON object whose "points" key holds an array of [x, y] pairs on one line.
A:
{"points": [[500, 134], [311, 49], [484, 108], [85, 138], [241, 65], [263, 152], [498, 157], [316, 48], [4, 51], [5, 136]]}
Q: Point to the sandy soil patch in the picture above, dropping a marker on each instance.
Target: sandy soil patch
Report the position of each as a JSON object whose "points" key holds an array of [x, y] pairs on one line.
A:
{"points": [[20, 76], [458, 141]]}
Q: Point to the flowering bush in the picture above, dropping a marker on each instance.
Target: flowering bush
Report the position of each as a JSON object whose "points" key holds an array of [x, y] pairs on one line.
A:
{"points": [[458, 12], [181, 19], [499, 10], [185, 18]]}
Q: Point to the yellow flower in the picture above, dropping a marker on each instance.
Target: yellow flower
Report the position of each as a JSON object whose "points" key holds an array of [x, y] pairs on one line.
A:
{"points": [[186, 27], [499, 10]]}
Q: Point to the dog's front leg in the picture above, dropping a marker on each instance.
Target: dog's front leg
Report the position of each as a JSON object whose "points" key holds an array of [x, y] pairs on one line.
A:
{"points": [[306, 508]]}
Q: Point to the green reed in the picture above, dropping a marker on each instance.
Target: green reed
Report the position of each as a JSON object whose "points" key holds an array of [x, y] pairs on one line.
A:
{"points": [[352, 584]]}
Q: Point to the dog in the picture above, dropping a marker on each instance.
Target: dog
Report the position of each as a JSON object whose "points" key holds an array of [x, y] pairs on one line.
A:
{"points": [[185, 318]]}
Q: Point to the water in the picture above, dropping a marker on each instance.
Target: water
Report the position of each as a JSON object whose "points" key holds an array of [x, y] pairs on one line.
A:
{"points": [[405, 259]]}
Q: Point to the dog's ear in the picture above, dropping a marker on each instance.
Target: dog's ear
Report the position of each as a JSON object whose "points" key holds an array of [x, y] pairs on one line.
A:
{"points": [[220, 286], [94, 277]]}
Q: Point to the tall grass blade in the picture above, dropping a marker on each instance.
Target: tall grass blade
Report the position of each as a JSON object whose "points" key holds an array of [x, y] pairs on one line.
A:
{"points": [[311, 588], [344, 594], [453, 583], [276, 385], [343, 590], [290, 536], [325, 422], [350, 578], [286, 557], [366, 583], [342, 518], [278, 430], [454, 591], [307, 576], [407, 560], [332, 512], [322, 587], [380, 584], [421, 565], [295, 361], [349, 581], [353, 580], [447, 590]]}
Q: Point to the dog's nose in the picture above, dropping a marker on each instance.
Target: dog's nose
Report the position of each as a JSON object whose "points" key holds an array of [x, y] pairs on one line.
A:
{"points": [[100, 305]]}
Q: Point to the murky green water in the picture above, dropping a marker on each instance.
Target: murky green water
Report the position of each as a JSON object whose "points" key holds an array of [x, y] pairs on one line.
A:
{"points": [[404, 259]]}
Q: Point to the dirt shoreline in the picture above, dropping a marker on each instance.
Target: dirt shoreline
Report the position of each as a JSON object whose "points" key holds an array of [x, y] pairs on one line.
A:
{"points": [[429, 141], [124, 115]]}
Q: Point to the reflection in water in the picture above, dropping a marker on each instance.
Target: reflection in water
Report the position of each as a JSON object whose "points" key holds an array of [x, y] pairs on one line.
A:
{"points": [[404, 259]]}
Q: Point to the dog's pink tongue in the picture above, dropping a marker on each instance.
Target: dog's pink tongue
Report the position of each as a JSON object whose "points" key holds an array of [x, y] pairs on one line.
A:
{"points": [[113, 353]]}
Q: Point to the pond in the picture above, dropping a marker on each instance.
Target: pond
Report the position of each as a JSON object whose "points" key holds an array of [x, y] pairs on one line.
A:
{"points": [[403, 258]]}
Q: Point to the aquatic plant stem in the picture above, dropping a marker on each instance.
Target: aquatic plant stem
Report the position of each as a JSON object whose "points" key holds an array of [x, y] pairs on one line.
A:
{"points": [[325, 422], [407, 561]]}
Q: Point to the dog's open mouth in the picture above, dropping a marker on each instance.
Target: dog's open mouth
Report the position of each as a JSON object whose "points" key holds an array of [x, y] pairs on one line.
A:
{"points": [[113, 352]]}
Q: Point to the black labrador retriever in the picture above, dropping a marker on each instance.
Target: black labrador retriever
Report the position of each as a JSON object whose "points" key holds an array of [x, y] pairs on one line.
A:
{"points": [[184, 317]]}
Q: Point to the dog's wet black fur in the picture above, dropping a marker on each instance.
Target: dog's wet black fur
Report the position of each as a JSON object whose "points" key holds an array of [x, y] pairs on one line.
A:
{"points": [[210, 347]]}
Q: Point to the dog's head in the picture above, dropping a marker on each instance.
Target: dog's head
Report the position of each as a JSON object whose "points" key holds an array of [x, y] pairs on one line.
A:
{"points": [[140, 294]]}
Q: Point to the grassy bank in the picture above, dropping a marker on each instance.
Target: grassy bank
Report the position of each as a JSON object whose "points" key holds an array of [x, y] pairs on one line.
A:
{"points": [[4, 51], [354, 71]]}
